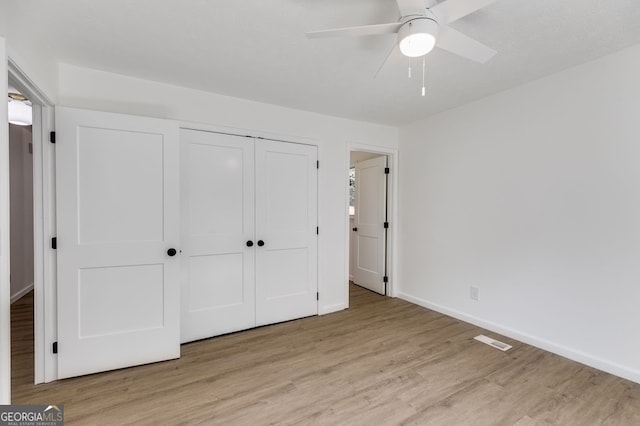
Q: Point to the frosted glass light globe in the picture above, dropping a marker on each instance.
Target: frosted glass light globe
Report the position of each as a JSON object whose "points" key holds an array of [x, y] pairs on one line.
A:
{"points": [[417, 37]]}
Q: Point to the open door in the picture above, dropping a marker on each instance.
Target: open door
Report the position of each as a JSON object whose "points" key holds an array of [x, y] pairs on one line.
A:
{"points": [[370, 215], [118, 233]]}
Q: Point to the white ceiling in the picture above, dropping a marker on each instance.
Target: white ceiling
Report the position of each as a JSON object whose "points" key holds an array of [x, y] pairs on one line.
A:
{"points": [[256, 49]]}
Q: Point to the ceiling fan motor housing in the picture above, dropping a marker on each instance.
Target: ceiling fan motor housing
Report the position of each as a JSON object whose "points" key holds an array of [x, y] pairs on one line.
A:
{"points": [[417, 36]]}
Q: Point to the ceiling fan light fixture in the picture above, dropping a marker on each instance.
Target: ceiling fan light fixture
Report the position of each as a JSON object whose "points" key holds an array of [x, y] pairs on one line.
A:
{"points": [[20, 112], [417, 37]]}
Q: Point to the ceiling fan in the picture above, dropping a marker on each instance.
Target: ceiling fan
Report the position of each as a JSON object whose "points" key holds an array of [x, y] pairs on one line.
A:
{"points": [[421, 28]]}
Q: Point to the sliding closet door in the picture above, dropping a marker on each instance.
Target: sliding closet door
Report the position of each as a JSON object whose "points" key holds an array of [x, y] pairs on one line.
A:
{"points": [[286, 220], [118, 226], [218, 234]]}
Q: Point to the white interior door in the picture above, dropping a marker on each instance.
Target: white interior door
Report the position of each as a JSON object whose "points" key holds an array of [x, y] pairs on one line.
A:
{"points": [[370, 213], [118, 215], [286, 221], [217, 225]]}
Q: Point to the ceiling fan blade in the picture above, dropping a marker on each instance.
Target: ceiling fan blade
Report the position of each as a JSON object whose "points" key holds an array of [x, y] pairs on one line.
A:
{"points": [[452, 10], [364, 30], [395, 52], [456, 42], [411, 7]]}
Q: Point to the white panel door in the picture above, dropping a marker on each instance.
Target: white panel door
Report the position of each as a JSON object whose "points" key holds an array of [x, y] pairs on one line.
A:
{"points": [[286, 220], [370, 213], [117, 180], [218, 231]]}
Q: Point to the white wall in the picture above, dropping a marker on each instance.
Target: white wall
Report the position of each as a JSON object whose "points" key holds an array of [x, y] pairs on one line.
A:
{"points": [[533, 196], [21, 182], [358, 156], [33, 58], [91, 89]]}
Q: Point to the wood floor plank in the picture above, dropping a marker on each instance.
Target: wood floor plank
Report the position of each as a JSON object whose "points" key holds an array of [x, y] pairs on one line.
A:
{"points": [[382, 362]]}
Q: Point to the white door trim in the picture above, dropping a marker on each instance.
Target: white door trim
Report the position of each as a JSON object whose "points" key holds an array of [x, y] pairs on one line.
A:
{"points": [[392, 196], [5, 293], [257, 134], [45, 319]]}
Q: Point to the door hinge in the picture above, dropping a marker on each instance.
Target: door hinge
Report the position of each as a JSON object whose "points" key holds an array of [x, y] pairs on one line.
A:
{"points": [[54, 243], [52, 137], [386, 170], [385, 279], [386, 225], [30, 148], [318, 296], [55, 347], [317, 164], [317, 230]]}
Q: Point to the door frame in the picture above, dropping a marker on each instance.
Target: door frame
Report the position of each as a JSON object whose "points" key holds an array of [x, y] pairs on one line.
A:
{"points": [[362, 276], [392, 218], [44, 277], [5, 292]]}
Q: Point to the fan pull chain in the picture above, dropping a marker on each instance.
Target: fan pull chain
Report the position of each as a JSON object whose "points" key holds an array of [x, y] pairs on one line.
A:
{"points": [[423, 72], [409, 67]]}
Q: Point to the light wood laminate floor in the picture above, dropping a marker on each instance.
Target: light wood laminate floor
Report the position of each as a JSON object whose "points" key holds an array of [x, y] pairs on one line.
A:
{"points": [[382, 362]]}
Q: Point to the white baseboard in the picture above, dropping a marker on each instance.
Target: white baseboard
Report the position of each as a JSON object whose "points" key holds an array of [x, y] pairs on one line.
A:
{"points": [[572, 354], [19, 294]]}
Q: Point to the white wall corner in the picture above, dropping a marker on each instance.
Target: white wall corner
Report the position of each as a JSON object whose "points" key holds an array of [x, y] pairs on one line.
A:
{"points": [[533, 201], [537, 341]]}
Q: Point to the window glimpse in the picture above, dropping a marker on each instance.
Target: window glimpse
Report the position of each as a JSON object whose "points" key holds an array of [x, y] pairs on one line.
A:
{"points": [[352, 190]]}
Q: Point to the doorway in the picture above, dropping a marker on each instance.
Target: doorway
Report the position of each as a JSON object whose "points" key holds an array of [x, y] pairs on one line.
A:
{"points": [[21, 209], [21, 223], [32, 209], [369, 220]]}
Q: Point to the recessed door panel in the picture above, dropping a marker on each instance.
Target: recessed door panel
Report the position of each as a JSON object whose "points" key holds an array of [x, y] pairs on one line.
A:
{"points": [[132, 297], [367, 259], [286, 196], [137, 214], [117, 201], [288, 271], [215, 281], [218, 293], [370, 179], [216, 174]]}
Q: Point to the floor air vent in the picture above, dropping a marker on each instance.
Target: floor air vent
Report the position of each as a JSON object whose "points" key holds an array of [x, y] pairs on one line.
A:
{"points": [[493, 342]]}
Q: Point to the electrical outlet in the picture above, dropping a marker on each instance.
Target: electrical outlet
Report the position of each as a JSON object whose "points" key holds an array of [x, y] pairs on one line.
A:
{"points": [[473, 292]]}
